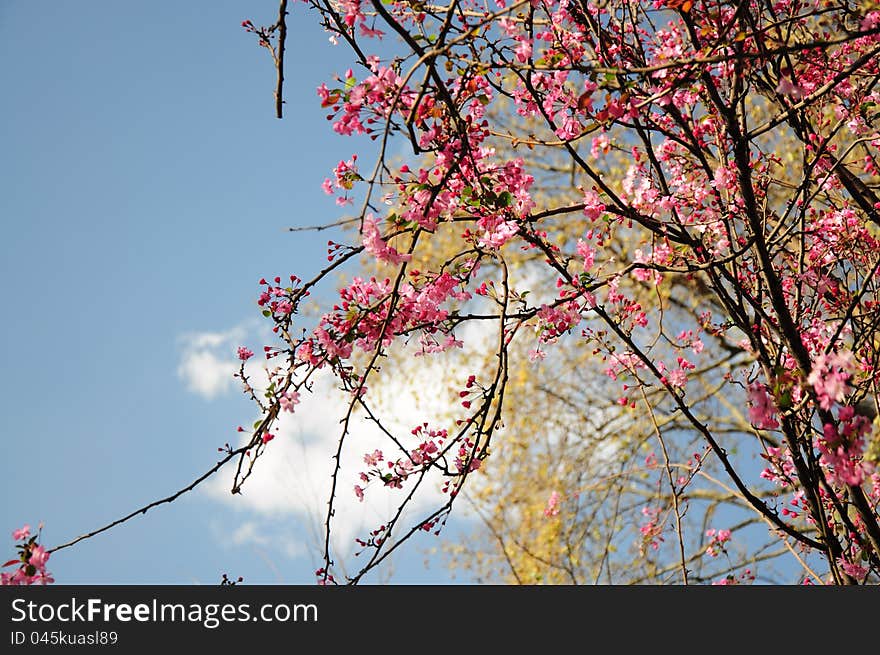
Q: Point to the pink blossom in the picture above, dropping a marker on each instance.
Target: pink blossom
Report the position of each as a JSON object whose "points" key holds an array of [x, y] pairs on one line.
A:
{"points": [[677, 378], [587, 252], [500, 233], [376, 246], [370, 31], [652, 530], [523, 50], [452, 342], [842, 454], [373, 458], [39, 557], [787, 87], [552, 508], [570, 129], [326, 578], [644, 273], [853, 570], [626, 361], [830, 376], [870, 21], [346, 173], [555, 321], [536, 355], [42, 578], [508, 26], [288, 400], [762, 411], [593, 205], [600, 145], [22, 533], [353, 12], [725, 178], [717, 539], [34, 558], [244, 354], [743, 578]]}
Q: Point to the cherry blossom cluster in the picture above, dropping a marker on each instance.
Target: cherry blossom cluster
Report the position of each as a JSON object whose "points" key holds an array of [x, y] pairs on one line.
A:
{"points": [[395, 472], [776, 281], [651, 529], [780, 278], [717, 541], [31, 561]]}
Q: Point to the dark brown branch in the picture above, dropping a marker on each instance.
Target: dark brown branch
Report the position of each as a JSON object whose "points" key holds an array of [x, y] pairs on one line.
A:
{"points": [[279, 60]]}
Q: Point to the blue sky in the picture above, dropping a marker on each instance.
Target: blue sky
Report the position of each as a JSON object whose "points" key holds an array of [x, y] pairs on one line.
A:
{"points": [[146, 188]]}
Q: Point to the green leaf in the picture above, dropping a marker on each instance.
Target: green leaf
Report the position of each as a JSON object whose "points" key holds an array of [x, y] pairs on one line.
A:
{"points": [[785, 401]]}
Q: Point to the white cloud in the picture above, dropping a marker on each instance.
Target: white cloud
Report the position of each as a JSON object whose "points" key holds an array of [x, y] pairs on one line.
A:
{"points": [[206, 374], [270, 542], [208, 361], [294, 474], [265, 534], [248, 533]]}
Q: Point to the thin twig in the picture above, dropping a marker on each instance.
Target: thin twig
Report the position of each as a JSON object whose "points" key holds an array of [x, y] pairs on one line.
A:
{"points": [[325, 226], [143, 510]]}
